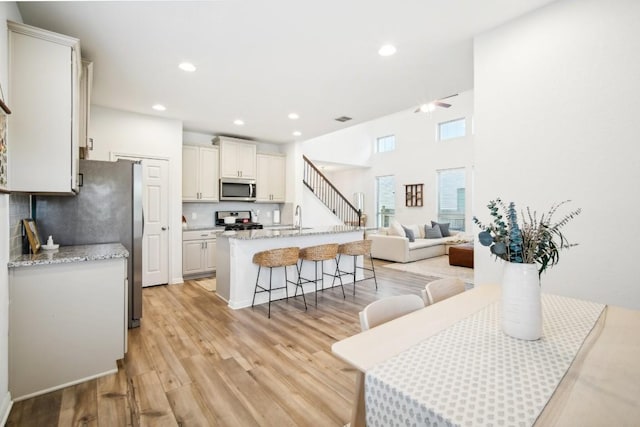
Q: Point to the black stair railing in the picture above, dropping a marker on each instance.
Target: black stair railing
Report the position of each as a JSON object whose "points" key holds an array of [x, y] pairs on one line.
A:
{"points": [[329, 194]]}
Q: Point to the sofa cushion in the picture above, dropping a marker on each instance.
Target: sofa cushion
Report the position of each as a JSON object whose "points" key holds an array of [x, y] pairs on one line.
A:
{"points": [[444, 228], [409, 233], [395, 229], [432, 232]]}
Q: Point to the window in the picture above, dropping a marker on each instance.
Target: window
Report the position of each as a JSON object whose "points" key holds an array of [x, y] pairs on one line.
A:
{"points": [[451, 197], [386, 143], [385, 200], [452, 129]]}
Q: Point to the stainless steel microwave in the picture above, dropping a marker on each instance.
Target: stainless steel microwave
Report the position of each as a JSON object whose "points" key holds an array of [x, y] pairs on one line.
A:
{"points": [[238, 189]]}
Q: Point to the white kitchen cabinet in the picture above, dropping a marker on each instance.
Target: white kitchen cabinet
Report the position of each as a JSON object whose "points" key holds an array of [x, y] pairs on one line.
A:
{"points": [[67, 324], [200, 174], [43, 130], [271, 181], [237, 158], [198, 252]]}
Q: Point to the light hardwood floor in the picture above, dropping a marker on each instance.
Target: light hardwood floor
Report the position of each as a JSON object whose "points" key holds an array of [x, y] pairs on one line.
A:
{"points": [[195, 362]]}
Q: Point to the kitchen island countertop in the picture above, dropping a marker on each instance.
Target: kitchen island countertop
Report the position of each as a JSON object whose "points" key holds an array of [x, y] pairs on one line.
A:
{"points": [[68, 254], [268, 233]]}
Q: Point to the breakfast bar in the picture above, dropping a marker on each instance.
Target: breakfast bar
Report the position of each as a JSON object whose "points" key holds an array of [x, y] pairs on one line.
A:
{"points": [[236, 273]]}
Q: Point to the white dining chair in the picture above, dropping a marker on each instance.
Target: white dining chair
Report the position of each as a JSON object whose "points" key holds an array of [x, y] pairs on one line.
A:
{"points": [[374, 314], [385, 309], [441, 289]]}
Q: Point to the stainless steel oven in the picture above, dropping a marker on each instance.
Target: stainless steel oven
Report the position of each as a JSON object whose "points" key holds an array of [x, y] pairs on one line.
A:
{"points": [[238, 189]]}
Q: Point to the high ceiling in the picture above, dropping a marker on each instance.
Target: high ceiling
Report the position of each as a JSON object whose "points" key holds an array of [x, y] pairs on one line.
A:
{"points": [[259, 60]]}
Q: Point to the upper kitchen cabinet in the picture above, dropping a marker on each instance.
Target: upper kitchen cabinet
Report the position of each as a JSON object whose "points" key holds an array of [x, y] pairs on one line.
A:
{"points": [[237, 158], [199, 174], [271, 183], [44, 73]]}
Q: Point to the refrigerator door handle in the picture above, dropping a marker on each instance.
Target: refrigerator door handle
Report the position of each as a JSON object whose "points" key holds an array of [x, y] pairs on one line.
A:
{"points": [[143, 222]]}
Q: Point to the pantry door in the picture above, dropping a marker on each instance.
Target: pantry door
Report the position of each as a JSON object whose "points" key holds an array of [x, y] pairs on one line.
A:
{"points": [[155, 237]]}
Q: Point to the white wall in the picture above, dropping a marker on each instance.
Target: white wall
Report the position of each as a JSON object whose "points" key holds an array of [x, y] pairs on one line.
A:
{"points": [[145, 136], [557, 96], [8, 10], [314, 212], [416, 159]]}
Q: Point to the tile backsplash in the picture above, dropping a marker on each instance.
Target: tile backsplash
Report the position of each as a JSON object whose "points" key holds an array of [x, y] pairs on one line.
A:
{"points": [[19, 208], [203, 214]]}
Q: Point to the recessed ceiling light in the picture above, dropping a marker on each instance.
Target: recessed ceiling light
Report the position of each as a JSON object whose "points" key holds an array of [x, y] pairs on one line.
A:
{"points": [[387, 50], [297, 133], [159, 107], [187, 66], [238, 122], [293, 116]]}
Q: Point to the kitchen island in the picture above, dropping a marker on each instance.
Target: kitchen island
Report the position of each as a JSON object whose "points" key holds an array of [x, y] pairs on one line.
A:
{"points": [[236, 273], [67, 317]]}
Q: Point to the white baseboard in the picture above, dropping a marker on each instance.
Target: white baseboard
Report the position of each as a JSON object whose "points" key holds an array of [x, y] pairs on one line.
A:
{"points": [[5, 408]]}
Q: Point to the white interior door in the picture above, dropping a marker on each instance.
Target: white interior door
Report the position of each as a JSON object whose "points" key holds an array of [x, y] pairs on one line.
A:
{"points": [[155, 205], [155, 239]]}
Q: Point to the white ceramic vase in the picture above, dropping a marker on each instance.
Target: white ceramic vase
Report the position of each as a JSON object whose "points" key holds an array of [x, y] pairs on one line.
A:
{"points": [[521, 305]]}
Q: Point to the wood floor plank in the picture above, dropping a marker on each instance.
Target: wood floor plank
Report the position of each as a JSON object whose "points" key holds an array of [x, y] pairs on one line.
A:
{"points": [[166, 363], [221, 402], [152, 406], [113, 402], [258, 401], [79, 406], [137, 359], [38, 411], [190, 408], [195, 362]]}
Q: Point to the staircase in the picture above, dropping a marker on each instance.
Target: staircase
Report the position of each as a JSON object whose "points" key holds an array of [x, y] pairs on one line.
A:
{"points": [[329, 195]]}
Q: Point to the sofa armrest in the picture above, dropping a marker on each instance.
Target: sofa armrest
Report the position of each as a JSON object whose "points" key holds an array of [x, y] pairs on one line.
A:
{"points": [[391, 248]]}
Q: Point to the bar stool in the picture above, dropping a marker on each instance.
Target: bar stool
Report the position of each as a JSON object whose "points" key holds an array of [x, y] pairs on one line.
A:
{"points": [[355, 249], [318, 254], [284, 257]]}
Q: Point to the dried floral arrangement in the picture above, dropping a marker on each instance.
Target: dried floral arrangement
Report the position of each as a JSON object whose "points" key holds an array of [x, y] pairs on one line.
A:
{"points": [[535, 240]]}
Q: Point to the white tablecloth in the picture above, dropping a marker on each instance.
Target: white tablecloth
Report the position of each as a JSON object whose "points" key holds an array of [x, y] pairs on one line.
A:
{"points": [[472, 374]]}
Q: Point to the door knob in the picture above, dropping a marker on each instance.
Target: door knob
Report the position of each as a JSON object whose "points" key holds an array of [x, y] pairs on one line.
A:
{"points": [[164, 228]]}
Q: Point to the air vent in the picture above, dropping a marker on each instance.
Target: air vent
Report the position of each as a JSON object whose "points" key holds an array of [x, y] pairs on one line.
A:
{"points": [[343, 119]]}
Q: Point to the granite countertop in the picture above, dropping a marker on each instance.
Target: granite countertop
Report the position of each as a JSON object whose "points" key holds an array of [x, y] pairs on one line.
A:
{"points": [[68, 254], [220, 228], [289, 232], [203, 228]]}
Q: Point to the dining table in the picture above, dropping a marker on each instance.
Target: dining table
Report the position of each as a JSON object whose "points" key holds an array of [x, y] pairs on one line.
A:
{"points": [[450, 364]]}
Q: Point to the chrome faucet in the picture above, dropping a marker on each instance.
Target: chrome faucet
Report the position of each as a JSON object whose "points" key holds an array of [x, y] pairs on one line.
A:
{"points": [[298, 213]]}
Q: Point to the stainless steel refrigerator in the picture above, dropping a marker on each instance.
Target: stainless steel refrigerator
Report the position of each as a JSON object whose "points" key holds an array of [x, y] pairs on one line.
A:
{"points": [[107, 209]]}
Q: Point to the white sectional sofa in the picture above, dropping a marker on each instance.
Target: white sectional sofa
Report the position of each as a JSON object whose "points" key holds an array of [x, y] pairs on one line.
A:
{"points": [[388, 245]]}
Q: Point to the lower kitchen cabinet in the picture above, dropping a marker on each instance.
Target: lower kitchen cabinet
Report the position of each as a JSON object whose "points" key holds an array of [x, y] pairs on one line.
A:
{"points": [[67, 324], [198, 252]]}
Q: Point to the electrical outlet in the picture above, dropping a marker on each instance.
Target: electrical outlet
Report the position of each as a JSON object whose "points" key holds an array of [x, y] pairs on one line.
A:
{"points": [[194, 215]]}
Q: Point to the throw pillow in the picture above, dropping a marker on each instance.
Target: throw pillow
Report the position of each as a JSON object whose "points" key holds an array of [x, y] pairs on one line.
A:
{"points": [[409, 234], [432, 232], [395, 229], [444, 228], [418, 233]]}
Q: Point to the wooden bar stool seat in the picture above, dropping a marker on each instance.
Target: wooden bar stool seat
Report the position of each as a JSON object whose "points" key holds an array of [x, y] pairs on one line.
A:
{"points": [[318, 254], [356, 249], [276, 258]]}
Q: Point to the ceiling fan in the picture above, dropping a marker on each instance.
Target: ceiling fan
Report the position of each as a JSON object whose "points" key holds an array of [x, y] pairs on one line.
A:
{"points": [[426, 108]]}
